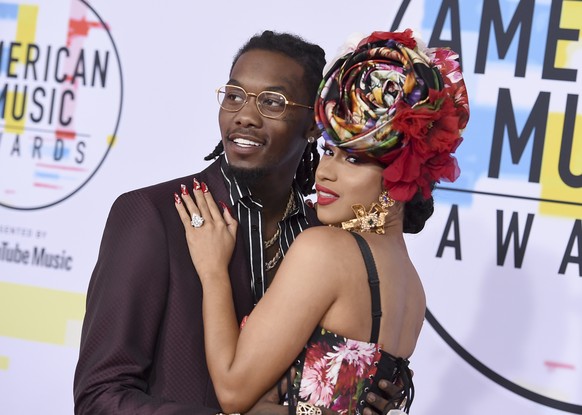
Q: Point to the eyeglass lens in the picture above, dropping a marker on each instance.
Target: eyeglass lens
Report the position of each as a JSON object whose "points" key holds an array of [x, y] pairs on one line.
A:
{"points": [[233, 98]]}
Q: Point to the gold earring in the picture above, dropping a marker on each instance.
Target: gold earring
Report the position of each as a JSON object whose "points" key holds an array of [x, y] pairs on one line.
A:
{"points": [[373, 220], [385, 200]]}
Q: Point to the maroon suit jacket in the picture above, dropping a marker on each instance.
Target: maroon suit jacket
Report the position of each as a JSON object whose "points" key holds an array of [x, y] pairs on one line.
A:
{"points": [[142, 344]]}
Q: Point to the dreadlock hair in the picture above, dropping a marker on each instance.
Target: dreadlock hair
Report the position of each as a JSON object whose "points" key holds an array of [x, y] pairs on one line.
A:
{"points": [[305, 174], [311, 57], [216, 152]]}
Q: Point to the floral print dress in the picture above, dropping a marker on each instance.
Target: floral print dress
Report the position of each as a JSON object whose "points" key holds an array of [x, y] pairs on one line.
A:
{"points": [[335, 372]]}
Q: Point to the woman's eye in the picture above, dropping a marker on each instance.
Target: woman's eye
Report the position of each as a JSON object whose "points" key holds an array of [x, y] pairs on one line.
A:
{"points": [[326, 151]]}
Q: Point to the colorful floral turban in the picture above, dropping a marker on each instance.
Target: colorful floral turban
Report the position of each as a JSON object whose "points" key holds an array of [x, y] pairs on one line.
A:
{"points": [[400, 103]]}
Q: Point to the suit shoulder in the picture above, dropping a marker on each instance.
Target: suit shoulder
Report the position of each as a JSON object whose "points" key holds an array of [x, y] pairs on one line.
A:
{"points": [[163, 191], [209, 171]]}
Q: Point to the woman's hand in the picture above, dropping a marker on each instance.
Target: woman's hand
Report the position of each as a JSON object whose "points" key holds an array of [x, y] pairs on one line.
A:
{"points": [[211, 235]]}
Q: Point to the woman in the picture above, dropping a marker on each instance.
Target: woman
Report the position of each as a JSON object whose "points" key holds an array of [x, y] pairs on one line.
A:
{"points": [[346, 299]]}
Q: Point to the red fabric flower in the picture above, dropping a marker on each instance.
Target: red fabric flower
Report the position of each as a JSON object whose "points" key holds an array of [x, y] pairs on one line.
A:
{"points": [[400, 177], [442, 166], [430, 132], [405, 38], [433, 127]]}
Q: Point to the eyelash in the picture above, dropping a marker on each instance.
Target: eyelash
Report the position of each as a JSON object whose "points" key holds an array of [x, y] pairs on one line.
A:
{"points": [[326, 149]]}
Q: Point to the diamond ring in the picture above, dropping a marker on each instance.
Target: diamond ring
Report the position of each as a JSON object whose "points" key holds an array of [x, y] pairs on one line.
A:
{"points": [[197, 220]]}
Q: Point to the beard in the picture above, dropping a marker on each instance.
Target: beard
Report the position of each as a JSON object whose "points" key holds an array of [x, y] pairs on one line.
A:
{"points": [[247, 177]]}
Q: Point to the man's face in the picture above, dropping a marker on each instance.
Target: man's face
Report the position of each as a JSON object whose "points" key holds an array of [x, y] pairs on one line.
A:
{"points": [[258, 145]]}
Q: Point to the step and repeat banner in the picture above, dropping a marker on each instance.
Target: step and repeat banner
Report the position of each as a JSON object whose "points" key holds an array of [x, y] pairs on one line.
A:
{"points": [[100, 97]]}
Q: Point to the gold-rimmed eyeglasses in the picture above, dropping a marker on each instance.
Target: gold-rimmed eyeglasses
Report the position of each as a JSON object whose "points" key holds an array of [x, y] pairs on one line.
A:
{"points": [[270, 104]]}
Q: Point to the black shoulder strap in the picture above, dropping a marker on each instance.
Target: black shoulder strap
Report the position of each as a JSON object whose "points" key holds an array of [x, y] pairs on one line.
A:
{"points": [[374, 282]]}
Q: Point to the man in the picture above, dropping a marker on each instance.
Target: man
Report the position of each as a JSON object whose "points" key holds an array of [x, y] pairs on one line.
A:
{"points": [[142, 346]]}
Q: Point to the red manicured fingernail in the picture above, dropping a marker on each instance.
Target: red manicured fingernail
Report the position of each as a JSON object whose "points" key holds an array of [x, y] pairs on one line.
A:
{"points": [[309, 202], [184, 189], [224, 206], [243, 322], [204, 187], [196, 184], [177, 199]]}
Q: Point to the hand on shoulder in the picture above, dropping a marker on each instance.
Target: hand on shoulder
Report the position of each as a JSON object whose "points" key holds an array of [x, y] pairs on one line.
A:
{"points": [[210, 231]]}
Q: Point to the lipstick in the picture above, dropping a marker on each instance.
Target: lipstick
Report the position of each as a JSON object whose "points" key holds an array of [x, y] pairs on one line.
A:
{"points": [[325, 196]]}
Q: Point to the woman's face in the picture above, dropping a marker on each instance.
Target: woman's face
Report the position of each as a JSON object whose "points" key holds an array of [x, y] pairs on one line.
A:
{"points": [[344, 179]]}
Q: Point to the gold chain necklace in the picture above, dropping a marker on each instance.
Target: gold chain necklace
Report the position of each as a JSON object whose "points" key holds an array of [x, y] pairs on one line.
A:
{"points": [[288, 209], [269, 265], [270, 242]]}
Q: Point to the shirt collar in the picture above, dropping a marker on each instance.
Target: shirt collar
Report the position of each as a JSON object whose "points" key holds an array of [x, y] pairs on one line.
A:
{"points": [[235, 190], [238, 191]]}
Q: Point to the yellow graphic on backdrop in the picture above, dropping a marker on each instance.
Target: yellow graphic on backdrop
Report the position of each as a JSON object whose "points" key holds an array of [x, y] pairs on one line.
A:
{"points": [[15, 101], [553, 186], [570, 19], [41, 314], [4, 363], [26, 30], [25, 35]]}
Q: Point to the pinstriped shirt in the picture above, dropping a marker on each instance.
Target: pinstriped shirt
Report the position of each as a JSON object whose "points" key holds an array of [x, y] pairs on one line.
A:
{"points": [[249, 213]]}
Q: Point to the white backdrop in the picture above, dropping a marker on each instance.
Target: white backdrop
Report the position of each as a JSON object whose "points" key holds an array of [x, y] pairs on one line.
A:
{"points": [[501, 259]]}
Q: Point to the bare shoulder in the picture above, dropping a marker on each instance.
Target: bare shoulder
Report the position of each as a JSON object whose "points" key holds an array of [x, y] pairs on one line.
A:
{"points": [[323, 246], [324, 237]]}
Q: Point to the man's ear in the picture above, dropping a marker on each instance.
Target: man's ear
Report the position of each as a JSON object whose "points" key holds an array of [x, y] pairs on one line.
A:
{"points": [[313, 131]]}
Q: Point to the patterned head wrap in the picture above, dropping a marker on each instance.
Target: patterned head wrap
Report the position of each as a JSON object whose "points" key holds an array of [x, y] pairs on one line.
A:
{"points": [[400, 103]]}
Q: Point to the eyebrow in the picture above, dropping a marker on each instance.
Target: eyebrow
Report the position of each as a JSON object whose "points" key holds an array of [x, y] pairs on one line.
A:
{"points": [[274, 88]]}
